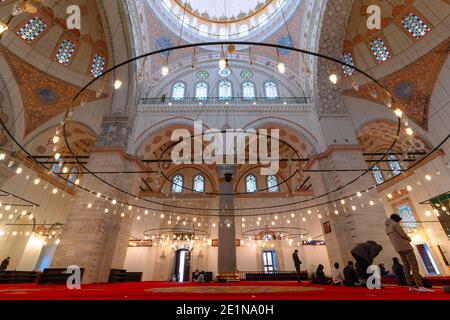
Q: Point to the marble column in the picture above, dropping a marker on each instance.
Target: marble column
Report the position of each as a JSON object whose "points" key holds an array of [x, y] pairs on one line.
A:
{"points": [[92, 238], [227, 230]]}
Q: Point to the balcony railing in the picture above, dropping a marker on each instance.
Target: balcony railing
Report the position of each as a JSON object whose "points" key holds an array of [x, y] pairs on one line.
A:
{"points": [[229, 101]]}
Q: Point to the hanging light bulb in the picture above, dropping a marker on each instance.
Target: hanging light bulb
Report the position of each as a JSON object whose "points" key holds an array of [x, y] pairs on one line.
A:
{"points": [[398, 112], [19, 170], [3, 27], [165, 70], [55, 139], [57, 156], [2, 156], [223, 64], [117, 84], [333, 78], [77, 181], [409, 131], [281, 67], [37, 181]]}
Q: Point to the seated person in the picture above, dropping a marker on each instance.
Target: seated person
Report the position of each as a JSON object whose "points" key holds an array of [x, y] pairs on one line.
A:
{"points": [[319, 277], [397, 269], [383, 271], [201, 277], [195, 275], [336, 274], [350, 276]]}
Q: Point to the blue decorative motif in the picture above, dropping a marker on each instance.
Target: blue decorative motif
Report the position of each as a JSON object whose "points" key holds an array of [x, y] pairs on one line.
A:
{"points": [[405, 89], [163, 43], [285, 41], [47, 96]]}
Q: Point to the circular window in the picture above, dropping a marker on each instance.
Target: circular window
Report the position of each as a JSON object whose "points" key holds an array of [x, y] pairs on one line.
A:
{"points": [[224, 73], [202, 75], [247, 74]]}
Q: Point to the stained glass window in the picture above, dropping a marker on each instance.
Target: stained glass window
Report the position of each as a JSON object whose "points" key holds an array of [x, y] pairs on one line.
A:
{"points": [[380, 50], [248, 90], [177, 184], [272, 184], [65, 52], [72, 177], [250, 183], [201, 90], [178, 91], [271, 90], [199, 183], [348, 59], [394, 165], [408, 220], [202, 75], [32, 29], [98, 65], [247, 74], [377, 175], [224, 73], [225, 90], [56, 168], [415, 25]]}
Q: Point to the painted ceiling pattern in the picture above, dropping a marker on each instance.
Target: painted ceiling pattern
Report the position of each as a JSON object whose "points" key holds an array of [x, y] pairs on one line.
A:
{"points": [[377, 135], [43, 96], [412, 93]]}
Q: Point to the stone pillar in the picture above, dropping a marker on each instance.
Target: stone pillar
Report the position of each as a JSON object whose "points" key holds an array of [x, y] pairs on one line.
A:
{"points": [[227, 230], [92, 238]]}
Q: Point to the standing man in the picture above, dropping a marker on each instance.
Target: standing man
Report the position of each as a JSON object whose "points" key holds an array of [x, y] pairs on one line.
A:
{"points": [[401, 243], [364, 253], [297, 264]]}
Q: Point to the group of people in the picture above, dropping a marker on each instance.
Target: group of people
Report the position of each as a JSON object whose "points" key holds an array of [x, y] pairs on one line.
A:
{"points": [[364, 254]]}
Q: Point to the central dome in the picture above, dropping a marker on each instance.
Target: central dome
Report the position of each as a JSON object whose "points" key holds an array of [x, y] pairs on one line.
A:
{"points": [[224, 19], [224, 10]]}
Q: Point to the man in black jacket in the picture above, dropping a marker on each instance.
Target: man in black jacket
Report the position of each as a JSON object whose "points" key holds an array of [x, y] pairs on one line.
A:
{"points": [[364, 253], [297, 264]]}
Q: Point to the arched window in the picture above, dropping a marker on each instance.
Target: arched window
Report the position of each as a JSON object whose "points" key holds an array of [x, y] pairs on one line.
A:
{"points": [[272, 184], [97, 66], [415, 25], [379, 50], [72, 177], [178, 91], [199, 183], [243, 30], [377, 175], [223, 33], [250, 184], [201, 90], [271, 90], [203, 30], [348, 59], [394, 165], [57, 168], [177, 184], [32, 29], [248, 90], [225, 90], [65, 52], [408, 219]]}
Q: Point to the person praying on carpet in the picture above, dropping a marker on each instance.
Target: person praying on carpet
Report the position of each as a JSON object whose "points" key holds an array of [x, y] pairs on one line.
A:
{"points": [[5, 264], [402, 244], [297, 264], [350, 276], [364, 254], [397, 269], [319, 277], [336, 274]]}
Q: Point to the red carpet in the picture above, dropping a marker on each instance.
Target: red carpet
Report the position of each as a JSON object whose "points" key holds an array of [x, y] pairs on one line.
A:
{"points": [[213, 291]]}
